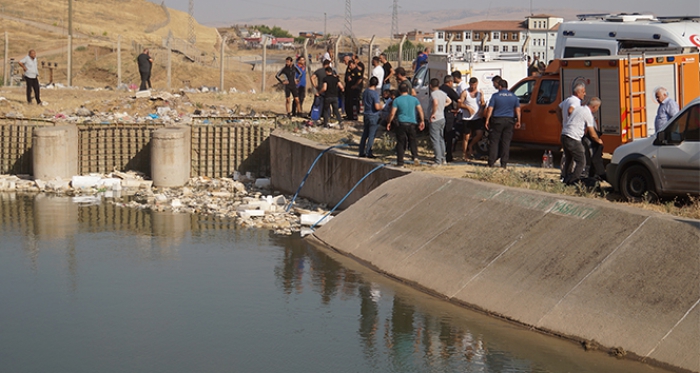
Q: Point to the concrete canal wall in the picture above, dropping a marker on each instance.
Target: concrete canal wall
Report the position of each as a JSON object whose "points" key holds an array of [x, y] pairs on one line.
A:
{"points": [[332, 177], [217, 146], [626, 278]]}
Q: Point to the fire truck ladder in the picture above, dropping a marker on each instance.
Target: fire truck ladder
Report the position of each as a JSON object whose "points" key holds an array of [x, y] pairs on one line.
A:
{"points": [[636, 65]]}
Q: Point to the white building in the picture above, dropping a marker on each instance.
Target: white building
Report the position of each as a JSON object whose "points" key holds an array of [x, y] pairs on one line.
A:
{"points": [[536, 36]]}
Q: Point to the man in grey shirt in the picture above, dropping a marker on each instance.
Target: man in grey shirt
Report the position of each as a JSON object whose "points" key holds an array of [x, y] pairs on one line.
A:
{"points": [[31, 75], [667, 109], [438, 102]]}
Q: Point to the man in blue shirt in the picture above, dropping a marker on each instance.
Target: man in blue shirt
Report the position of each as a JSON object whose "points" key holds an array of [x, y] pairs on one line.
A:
{"points": [[300, 77], [370, 100], [502, 114], [667, 109], [405, 108]]}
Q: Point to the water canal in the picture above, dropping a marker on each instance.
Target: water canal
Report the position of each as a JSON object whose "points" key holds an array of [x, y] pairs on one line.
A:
{"points": [[88, 288]]}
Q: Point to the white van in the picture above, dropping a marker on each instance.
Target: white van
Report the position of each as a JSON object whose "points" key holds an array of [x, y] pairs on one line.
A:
{"points": [[667, 164], [608, 34], [484, 66]]}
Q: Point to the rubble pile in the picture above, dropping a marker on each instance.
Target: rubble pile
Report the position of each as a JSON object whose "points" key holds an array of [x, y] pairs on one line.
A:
{"points": [[144, 107], [247, 200]]}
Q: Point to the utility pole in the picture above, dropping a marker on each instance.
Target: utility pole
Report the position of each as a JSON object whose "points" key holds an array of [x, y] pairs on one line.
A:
{"points": [[70, 43], [348, 20], [325, 19], [119, 60], [4, 64], [264, 63], [192, 38], [394, 20], [221, 63]]}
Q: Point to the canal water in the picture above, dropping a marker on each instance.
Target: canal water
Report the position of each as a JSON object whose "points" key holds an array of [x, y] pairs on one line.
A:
{"points": [[99, 288]]}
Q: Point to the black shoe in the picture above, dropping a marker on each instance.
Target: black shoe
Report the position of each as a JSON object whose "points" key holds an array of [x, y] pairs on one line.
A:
{"points": [[371, 156]]}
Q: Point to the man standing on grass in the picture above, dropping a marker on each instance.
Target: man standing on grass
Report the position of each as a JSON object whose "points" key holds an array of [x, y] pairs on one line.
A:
{"points": [[372, 104], [287, 77], [31, 75], [438, 102], [502, 114], [405, 108], [580, 122]]}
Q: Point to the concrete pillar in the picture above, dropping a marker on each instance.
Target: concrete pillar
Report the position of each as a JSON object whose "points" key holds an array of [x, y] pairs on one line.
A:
{"points": [[55, 152], [170, 156]]}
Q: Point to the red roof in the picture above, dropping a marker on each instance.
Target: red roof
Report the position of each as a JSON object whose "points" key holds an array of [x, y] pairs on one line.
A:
{"points": [[488, 26]]}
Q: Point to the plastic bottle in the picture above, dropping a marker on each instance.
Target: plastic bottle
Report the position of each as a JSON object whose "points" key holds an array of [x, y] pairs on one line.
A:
{"points": [[550, 159], [545, 160]]}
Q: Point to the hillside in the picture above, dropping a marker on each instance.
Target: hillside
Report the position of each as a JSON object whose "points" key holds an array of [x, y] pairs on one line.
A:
{"points": [[97, 26]]}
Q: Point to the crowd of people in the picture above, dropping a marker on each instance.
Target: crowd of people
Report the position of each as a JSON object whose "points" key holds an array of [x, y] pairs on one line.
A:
{"points": [[457, 112]]}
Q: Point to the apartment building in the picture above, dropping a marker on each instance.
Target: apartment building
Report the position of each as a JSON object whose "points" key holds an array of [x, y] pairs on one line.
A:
{"points": [[535, 36]]}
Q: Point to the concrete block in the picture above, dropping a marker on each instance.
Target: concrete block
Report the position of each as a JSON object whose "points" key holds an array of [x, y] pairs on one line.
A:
{"points": [[311, 219], [55, 152], [170, 156]]}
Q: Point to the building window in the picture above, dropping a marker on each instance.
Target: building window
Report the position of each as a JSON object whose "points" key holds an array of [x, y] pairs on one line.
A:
{"points": [[514, 48], [440, 35], [486, 48], [477, 36], [458, 36], [505, 36], [477, 48], [514, 36], [441, 48], [495, 48], [467, 48], [458, 48], [467, 35], [450, 48], [496, 35]]}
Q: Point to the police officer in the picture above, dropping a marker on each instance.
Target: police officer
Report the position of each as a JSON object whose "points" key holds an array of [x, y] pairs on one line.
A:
{"points": [[502, 114]]}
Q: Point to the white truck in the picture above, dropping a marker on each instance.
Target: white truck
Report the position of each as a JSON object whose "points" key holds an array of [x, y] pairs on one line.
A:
{"points": [[484, 66], [612, 34]]}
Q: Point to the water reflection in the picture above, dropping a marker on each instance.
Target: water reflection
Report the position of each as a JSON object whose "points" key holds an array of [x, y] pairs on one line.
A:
{"points": [[409, 337], [209, 290]]}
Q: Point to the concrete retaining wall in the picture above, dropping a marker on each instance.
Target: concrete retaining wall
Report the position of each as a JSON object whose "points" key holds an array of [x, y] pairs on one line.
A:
{"points": [[580, 268], [332, 177]]}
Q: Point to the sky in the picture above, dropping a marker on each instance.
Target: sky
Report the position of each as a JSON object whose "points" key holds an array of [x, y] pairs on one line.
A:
{"points": [[226, 12]]}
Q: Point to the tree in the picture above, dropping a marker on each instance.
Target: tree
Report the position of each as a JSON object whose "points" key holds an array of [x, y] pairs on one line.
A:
{"points": [[406, 45], [275, 31]]}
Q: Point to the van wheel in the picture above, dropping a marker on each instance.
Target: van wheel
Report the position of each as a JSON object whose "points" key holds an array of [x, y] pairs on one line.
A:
{"points": [[637, 185]]}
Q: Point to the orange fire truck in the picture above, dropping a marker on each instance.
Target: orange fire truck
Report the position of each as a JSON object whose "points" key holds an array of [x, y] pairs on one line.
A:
{"points": [[626, 85]]}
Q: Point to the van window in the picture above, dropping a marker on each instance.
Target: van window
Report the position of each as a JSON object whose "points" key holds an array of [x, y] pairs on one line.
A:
{"points": [[547, 92], [524, 91], [585, 52], [685, 127], [420, 78]]}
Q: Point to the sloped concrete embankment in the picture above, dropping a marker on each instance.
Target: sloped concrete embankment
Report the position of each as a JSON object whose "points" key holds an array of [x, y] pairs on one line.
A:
{"points": [[332, 177], [627, 278]]}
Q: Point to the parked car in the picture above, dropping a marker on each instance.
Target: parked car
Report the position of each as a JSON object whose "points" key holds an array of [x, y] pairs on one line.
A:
{"points": [[667, 164]]}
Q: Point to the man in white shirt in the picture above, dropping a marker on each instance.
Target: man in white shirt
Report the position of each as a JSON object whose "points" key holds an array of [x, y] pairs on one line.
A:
{"points": [[31, 75], [378, 69], [580, 121], [567, 106]]}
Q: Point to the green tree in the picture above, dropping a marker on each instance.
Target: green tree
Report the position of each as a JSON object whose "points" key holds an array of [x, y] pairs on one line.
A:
{"points": [[275, 31], [406, 45]]}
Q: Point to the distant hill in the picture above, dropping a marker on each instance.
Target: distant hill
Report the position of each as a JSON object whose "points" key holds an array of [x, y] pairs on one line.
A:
{"points": [[366, 25]]}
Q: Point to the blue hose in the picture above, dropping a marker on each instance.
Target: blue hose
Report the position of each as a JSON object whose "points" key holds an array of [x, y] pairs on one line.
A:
{"points": [[346, 196], [309, 172]]}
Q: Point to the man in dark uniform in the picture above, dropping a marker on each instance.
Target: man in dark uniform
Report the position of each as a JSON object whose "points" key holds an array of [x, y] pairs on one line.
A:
{"points": [[450, 113], [353, 87], [145, 63], [502, 114]]}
